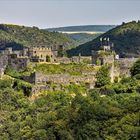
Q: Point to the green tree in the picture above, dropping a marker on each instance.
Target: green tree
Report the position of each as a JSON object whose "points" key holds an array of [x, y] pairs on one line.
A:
{"points": [[103, 76], [135, 69]]}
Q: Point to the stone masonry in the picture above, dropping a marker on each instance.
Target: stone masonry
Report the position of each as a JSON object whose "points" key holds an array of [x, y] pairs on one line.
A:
{"points": [[3, 64]]}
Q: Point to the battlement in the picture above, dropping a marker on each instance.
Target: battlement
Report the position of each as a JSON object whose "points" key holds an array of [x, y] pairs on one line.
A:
{"points": [[40, 49]]}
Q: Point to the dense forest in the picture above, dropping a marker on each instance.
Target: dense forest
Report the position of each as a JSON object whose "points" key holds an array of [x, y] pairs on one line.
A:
{"points": [[126, 39], [81, 38], [110, 111], [18, 37]]}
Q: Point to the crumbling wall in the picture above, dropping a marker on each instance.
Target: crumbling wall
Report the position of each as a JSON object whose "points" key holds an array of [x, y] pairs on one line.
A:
{"points": [[17, 63], [125, 64], [74, 59], [42, 81], [39, 78], [3, 64]]}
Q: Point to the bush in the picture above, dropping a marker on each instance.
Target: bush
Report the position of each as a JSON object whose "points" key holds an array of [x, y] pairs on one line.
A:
{"points": [[103, 77], [23, 86], [5, 83], [135, 69]]}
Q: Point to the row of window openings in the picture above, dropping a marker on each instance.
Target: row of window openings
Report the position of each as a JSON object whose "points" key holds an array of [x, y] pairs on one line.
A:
{"points": [[42, 56]]}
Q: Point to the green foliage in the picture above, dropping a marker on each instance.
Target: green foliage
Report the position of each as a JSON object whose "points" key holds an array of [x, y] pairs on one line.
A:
{"points": [[6, 83], [48, 59], [85, 28], [135, 69], [105, 53], [82, 38], [19, 74], [18, 37], [58, 115], [103, 76], [72, 69], [22, 86], [72, 112], [13, 73]]}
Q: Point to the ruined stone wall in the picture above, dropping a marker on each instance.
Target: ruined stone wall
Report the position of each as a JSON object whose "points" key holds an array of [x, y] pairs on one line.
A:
{"points": [[64, 60], [17, 63], [42, 82], [94, 57], [39, 78], [3, 64], [74, 59], [109, 59], [102, 58], [125, 64]]}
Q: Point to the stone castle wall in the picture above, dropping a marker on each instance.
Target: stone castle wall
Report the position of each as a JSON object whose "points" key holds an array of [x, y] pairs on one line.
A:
{"points": [[17, 63], [3, 64], [74, 59], [42, 81], [102, 59], [125, 64], [39, 78]]}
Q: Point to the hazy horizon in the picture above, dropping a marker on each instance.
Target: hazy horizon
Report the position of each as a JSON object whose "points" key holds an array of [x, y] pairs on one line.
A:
{"points": [[63, 13]]}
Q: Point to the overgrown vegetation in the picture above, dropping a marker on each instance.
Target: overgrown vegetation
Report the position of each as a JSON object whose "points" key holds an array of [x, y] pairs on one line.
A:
{"points": [[72, 69], [135, 70], [58, 115], [73, 112], [103, 76]]}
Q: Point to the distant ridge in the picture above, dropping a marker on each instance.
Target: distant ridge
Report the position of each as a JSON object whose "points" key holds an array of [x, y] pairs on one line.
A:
{"points": [[126, 39], [82, 34], [83, 28]]}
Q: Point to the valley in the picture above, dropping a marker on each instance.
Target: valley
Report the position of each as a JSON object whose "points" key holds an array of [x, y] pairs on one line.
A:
{"points": [[48, 90]]}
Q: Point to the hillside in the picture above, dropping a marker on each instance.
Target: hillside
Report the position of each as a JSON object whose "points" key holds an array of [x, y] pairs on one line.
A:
{"points": [[126, 39], [20, 36], [81, 38], [88, 28], [83, 34]]}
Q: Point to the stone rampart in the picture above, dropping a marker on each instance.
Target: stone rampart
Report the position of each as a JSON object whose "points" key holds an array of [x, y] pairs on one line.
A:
{"points": [[39, 78], [42, 81]]}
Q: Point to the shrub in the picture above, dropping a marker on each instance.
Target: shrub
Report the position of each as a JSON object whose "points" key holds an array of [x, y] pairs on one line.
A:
{"points": [[135, 69], [103, 77]]}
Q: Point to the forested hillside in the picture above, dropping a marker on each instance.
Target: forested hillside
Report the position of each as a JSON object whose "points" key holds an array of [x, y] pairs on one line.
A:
{"points": [[126, 39], [81, 38], [82, 34], [90, 28], [20, 36]]}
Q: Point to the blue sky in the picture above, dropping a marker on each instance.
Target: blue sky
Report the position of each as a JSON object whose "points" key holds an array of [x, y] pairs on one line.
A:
{"points": [[56, 13]]}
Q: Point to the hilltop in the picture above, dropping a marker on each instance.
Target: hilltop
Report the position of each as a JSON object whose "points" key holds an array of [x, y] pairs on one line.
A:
{"points": [[126, 39], [83, 28], [17, 37], [82, 34]]}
